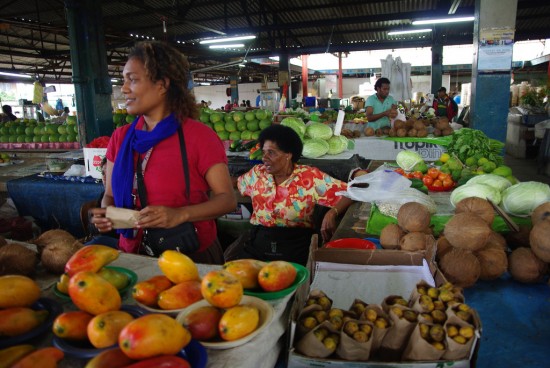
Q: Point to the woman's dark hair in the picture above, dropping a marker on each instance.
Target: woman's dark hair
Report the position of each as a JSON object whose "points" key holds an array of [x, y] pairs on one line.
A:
{"points": [[380, 82], [162, 61], [286, 139]]}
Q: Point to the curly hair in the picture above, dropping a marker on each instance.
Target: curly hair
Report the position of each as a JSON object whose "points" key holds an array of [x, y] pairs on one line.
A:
{"points": [[286, 139], [162, 61]]}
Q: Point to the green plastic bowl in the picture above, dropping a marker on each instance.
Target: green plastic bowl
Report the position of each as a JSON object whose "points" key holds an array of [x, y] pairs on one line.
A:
{"points": [[302, 274]]}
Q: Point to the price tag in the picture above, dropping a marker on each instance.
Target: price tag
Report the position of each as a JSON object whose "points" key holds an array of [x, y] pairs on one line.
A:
{"points": [[339, 122]]}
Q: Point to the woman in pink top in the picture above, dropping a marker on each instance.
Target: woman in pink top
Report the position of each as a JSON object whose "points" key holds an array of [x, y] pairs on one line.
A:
{"points": [[156, 77]]}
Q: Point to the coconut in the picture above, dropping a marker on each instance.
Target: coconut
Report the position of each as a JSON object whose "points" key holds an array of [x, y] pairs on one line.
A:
{"points": [[390, 236], [447, 131], [398, 124], [16, 259], [369, 132], [443, 246], [468, 231], [461, 267], [493, 262], [479, 206], [50, 236], [525, 267], [539, 239], [496, 241], [413, 216], [418, 125], [411, 132], [437, 132], [56, 254], [392, 132], [520, 238], [414, 241], [421, 133], [541, 213]]}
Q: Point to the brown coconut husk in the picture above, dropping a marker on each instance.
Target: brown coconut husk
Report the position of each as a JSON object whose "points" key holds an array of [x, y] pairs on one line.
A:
{"points": [[467, 231], [443, 246], [541, 213], [497, 241], [493, 262], [51, 236], [56, 254], [478, 206], [539, 239], [520, 238], [525, 267], [461, 267], [414, 241], [16, 259], [413, 216], [390, 236]]}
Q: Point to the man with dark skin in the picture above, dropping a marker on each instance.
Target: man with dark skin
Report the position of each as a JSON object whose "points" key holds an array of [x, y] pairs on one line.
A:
{"points": [[381, 107]]}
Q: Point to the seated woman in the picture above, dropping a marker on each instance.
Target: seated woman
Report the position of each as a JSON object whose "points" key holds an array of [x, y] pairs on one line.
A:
{"points": [[284, 195]]}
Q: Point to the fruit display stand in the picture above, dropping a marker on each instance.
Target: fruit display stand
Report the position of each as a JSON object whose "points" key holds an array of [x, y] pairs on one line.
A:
{"points": [[262, 351]]}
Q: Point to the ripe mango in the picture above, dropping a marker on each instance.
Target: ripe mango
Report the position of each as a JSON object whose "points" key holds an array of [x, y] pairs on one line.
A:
{"points": [[221, 289], [203, 322], [178, 267], [277, 275], [43, 358], [72, 325], [63, 283], [147, 292], [112, 358], [180, 295], [116, 278], [239, 321], [18, 291], [152, 335], [19, 320], [90, 258], [9, 356], [165, 361], [246, 270], [92, 294], [104, 328]]}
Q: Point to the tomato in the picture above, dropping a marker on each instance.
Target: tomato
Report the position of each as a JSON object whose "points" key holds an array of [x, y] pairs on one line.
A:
{"points": [[418, 175], [427, 180], [448, 182], [433, 172], [437, 183], [400, 171], [442, 176]]}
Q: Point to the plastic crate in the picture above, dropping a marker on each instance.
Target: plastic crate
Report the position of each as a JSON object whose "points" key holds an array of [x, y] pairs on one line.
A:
{"points": [[532, 119]]}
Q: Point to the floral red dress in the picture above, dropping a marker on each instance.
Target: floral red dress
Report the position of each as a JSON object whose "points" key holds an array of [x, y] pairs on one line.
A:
{"points": [[291, 203]]}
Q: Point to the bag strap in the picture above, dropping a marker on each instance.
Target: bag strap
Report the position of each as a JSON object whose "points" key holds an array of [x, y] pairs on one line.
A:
{"points": [[142, 193]]}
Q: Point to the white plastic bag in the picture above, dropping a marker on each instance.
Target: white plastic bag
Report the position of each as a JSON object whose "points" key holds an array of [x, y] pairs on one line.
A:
{"points": [[75, 170], [382, 184]]}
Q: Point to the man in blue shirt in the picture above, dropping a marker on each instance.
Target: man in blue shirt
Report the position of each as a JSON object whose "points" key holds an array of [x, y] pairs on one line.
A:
{"points": [[380, 107], [258, 99]]}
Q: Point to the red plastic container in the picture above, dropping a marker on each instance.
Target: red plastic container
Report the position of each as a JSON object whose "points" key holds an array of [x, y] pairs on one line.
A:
{"points": [[351, 243]]}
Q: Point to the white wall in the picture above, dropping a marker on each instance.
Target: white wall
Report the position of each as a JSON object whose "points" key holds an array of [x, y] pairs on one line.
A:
{"points": [[216, 94]]}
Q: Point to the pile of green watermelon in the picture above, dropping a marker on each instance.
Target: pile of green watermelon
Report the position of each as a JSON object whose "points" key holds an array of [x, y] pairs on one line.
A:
{"points": [[121, 117], [31, 131], [237, 124]]}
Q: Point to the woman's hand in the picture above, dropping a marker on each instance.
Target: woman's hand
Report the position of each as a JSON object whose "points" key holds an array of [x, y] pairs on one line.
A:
{"points": [[159, 217], [102, 223], [328, 226]]}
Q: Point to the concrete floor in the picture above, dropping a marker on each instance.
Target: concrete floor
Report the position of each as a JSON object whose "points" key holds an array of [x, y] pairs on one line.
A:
{"points": [[526, 169]]}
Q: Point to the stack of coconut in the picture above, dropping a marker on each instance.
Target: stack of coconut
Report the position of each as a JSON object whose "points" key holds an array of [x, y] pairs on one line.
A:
{"points": [[413, 128], [53, 250], [412, 231]]}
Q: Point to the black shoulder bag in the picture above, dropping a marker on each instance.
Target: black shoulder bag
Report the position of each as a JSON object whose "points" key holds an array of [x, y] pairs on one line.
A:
{"points": [[183, 237]]}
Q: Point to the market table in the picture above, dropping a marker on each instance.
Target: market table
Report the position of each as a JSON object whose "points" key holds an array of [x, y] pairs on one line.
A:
{"points": [[514, 316], [53, 203], [262, 351]]}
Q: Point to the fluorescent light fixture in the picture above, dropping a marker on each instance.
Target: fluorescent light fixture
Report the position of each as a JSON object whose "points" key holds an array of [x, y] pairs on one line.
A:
{"points": [[276, 58], [242, 65], [16, 75], [114, 80], [423, 30], [443, 20], [228, 46], [228, 39]]}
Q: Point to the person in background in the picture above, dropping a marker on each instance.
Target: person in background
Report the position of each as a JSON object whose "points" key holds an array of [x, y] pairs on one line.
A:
{"points": [[228, 106], [445, 106], [65, 113], [258, 98], [248, 103], [243, 104], [156, 78], [8, 115], [284, 195], [380, 107], [457, 98]]}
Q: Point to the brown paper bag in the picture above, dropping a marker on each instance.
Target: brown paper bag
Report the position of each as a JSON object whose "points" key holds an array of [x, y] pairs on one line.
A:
{"points": [[379, 331], [415, 294], [357, 307], [122, 218], [313, 346], [352, 349], [301, 328], [316, 296], [420, 349], [389, 301], [455, 350], [397, 336]]}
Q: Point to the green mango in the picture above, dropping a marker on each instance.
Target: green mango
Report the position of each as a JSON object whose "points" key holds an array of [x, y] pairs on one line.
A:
{"points": [[118, 279]]}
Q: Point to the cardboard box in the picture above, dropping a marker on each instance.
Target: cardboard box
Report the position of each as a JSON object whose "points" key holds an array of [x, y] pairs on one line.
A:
{"points": [[346, 274], [92, 161]]}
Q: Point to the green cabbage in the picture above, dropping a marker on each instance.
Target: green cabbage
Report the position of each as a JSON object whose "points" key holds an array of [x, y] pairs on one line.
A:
{"points": [[408, 159], [522, 198], [475, 190], [498, 182], [315, 147], [337, 144], [318, 130], [296, 124]]}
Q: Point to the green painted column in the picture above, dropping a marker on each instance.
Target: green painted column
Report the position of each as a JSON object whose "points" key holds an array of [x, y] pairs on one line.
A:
{"points": [[234, 84], [491, 68], [91, 79]]}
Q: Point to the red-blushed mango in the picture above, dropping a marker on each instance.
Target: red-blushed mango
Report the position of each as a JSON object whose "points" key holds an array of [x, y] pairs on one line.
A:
{"points": [[203, 322], [178, 267], [43, 358], [221, 289], [246, 270], [93, 294], [90, 258], [180, 295], [277, 275], [72, 325], [147, 292], [239, 321], [103, 329]]}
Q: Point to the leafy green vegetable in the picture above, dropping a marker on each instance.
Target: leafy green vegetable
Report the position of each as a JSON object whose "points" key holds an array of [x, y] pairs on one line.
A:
{"points": [[314, 148], [337, 144], [318, 130], [475, 190], [468, 142], [408, 159], [522, 198], [296, 124]]}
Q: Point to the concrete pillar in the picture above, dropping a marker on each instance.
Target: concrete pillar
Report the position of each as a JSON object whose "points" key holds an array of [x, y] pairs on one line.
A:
{"points": [[91, 79], [437, 67], [305, 77], [284, 77], [490, 80], [234, 84]]}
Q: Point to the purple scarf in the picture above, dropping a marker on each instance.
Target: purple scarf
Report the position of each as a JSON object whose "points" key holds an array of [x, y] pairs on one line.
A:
{"points": [[124, 169]]}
